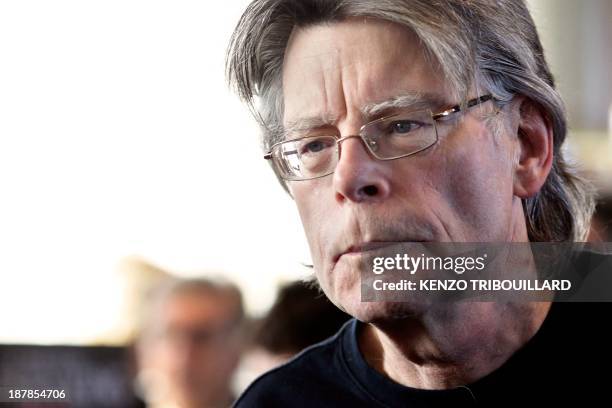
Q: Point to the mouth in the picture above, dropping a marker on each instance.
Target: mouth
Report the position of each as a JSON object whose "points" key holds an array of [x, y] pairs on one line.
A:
{"points": [[365, 247]]}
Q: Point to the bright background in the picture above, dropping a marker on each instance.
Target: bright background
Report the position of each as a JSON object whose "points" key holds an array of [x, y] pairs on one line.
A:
{"points": [[119, 137]]}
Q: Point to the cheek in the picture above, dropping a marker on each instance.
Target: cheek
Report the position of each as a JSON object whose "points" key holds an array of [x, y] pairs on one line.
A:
{"points": [[165, 356], [474, 181]]}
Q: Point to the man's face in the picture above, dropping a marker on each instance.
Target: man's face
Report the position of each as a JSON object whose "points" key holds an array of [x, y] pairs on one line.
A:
{"points": [[192, 349], [459, 190]]}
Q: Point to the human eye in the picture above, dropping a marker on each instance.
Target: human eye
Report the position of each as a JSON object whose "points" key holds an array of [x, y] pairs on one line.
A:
{"points": [[315, 145], [403, 126]]}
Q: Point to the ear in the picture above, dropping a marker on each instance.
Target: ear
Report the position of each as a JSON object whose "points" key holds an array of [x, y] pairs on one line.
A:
{"points": [[535, 141]]}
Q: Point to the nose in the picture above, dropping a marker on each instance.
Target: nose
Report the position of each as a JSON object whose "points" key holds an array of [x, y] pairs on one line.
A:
{"points": [[359, 177]]}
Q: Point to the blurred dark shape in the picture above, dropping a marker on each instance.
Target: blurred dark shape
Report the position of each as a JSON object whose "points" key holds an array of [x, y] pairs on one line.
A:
{"points": [[92, 376], [601, 226], [189, 344], [300, 317]]}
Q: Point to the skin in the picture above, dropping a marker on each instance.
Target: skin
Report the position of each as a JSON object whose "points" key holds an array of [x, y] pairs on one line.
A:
{"points": [[192, 350], [466, 188]]}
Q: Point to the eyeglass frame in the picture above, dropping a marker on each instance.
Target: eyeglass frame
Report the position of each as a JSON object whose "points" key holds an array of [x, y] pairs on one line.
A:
{"points": [[434, 116]]}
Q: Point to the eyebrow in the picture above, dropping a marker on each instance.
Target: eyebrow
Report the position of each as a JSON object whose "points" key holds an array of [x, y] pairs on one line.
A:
{"points": [[415, 100], [305, 124]]}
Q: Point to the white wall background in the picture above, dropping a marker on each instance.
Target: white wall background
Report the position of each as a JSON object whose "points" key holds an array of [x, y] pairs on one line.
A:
{"points": [[116, 127]]}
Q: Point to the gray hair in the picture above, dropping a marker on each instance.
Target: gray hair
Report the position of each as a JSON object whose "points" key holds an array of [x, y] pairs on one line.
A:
{"points": [[173, 288], [498, 37]]}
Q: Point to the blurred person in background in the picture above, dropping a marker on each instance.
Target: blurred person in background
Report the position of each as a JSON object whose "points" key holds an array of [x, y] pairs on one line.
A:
{"points": [[190, 344], [300, 317]]}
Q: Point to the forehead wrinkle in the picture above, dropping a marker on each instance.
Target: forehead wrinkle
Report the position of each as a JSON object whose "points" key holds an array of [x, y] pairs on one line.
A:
{"points": [[416, 100]]}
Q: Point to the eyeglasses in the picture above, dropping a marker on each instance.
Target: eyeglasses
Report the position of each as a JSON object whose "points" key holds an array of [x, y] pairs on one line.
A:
{"points": [[403, 134]]}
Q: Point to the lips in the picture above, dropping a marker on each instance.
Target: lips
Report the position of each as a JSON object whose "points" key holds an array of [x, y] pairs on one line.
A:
{"points": [[365, 247]]}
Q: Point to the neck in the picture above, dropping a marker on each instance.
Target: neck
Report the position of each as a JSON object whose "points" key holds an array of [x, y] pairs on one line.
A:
{"points": [[448, 348], [219, 400]]}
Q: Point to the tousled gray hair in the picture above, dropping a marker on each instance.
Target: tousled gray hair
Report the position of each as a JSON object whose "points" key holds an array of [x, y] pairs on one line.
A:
{"points": [[492, 44]]}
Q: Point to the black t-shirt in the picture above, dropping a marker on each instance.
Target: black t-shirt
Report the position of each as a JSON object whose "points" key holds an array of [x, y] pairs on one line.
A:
{"points": [[567, 362]]}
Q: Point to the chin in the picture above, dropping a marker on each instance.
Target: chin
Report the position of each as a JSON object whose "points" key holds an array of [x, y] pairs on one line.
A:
{"points": [[342, 285], [378, 312], [372, 312]]}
